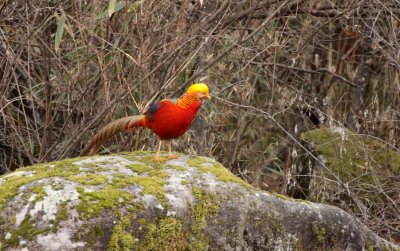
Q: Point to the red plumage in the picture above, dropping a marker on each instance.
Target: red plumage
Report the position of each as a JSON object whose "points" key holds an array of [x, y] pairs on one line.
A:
{"points": [[168, 119]]}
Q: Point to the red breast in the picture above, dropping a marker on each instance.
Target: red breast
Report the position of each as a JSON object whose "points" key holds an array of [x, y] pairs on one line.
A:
{"points": [[171, 121]]}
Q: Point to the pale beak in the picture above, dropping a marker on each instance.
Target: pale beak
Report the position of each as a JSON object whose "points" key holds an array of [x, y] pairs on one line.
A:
{"points": [[204, 96]]}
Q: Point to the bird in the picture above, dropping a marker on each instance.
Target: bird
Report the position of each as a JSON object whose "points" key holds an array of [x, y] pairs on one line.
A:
{"points": [[167, 118]]}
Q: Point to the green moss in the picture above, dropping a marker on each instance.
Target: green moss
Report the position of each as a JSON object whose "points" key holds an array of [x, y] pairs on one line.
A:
{"points": [[9, 188], [370, 246], [275, 225], [88, 179], [205, 206], [2, 233], [57, 186], [353, 154], [166, 234], [268, 223], [26, 231], [220, 172], [303, 201], [91, 233], [360, 161], [39, 193], [62, 215], [137, 154], [96, 232], [386, 248], [121, 239], [159, 173], [257, 223], [178, 168], [281, 196], [299, 245], [96, 167], [146, 157], [149, 159], [90, 165], [184, 182], [2, 221], [92, 203], [319, 232], [152, 185], [113, 194], [338, 153], [138, 168]]}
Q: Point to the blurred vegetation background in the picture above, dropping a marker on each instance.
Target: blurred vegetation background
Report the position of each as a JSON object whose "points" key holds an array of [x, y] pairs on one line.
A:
{"points": [[276, 69]]}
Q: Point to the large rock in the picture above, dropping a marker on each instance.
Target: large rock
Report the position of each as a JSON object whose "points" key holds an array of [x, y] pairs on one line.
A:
{"points": [[131, 202], [356, 172]]}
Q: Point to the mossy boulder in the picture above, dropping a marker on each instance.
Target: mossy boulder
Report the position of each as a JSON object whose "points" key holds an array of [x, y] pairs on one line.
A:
{"points": [[131, 202], [359, 173], [352, 161]]}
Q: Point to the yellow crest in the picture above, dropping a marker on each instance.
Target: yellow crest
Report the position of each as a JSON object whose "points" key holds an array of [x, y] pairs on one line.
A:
{"points": [[198, 87]]}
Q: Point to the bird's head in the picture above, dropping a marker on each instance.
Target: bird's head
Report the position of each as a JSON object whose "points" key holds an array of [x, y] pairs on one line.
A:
{"points": [[199, 90]]}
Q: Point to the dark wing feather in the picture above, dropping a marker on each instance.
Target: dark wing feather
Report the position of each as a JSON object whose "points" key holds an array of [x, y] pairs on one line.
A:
{"points": [[155, 106]]}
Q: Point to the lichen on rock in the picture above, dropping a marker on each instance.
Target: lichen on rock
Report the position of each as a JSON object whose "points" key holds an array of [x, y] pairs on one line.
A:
{"points": [[131, 202]]}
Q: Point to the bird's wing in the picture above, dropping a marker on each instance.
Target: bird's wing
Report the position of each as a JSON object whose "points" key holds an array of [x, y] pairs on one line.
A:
{"points": [[156, 106]]}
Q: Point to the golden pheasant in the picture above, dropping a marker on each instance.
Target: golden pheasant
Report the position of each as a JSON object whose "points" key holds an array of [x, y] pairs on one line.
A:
{"points": [[168, 119]]}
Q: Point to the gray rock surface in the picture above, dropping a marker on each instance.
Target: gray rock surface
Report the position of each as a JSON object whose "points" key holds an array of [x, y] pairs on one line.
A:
{"points": [[131, 202]]}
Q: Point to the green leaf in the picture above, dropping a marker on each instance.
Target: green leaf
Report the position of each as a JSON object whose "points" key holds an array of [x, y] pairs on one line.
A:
{"points": [[118, 7], [60, 31], [111, 7]]}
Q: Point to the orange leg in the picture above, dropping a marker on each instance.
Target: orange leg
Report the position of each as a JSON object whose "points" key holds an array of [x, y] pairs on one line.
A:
{"points": [[157, 157], [170, 155]]}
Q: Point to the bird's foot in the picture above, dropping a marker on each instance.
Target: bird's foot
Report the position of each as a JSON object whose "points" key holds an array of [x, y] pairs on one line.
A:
{"points": [[158, 158], [172, 156]]}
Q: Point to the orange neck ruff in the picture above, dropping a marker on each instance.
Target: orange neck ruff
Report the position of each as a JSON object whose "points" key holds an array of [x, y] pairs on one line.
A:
{"points": [[170, 120]]}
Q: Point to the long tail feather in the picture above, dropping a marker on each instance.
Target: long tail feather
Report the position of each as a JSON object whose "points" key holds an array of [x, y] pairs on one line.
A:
{"points": [[119, 125]]}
